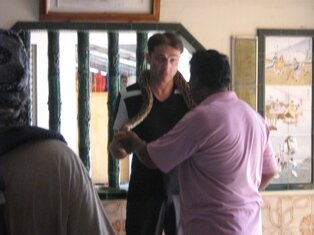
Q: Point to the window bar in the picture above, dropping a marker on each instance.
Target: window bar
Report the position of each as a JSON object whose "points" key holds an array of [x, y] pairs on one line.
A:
{"points": [[54, 100], [113, 91], [141, 45], [83, 115], [26, 38]]}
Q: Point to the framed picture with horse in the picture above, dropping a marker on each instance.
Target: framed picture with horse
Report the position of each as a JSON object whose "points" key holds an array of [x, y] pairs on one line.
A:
{"points": [[285, 99]]}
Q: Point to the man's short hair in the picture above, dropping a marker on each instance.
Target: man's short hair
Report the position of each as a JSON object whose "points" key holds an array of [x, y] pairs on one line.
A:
{"points": [[211, 68], [166, 38]]}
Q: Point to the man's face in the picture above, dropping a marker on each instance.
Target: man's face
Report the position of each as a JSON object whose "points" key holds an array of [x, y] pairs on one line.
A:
{"points": [[164, 61]]}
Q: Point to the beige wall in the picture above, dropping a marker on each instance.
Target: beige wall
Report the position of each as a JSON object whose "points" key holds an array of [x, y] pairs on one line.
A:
{"points": [[212, 22]]}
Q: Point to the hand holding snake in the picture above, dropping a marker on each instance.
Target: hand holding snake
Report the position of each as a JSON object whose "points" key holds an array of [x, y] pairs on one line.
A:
{"points": [[125, 140]]}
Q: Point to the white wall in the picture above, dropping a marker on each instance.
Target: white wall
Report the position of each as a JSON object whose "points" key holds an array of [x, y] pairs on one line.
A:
{"points": [[212, 22]]}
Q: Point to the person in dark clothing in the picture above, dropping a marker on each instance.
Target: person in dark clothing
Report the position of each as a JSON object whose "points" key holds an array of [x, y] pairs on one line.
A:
{"points": [[44, 186], [150, 208]]}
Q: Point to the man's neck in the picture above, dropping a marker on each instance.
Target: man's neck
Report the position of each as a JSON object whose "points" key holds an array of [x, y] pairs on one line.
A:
{"points": [[161, 89], [204, 93]]}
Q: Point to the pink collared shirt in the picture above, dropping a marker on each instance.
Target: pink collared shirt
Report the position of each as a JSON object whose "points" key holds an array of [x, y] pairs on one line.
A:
{"points": [[221, 148]]}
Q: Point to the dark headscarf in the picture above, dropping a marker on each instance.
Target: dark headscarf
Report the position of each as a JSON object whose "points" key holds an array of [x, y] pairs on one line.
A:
{"points": [[14, 81]]}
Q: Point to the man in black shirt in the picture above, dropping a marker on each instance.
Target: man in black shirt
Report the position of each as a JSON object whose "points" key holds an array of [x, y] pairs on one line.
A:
{"points": [[150, 190]]}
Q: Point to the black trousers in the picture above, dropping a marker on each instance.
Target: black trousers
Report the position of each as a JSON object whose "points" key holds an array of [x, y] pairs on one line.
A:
{"points": [[150, 217]]}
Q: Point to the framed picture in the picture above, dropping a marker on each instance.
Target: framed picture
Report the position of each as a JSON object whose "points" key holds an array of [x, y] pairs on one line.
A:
{"points": [[244, 68], [285, 99], [100, 10]]}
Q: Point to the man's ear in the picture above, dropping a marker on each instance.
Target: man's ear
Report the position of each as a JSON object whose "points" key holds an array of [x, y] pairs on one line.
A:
{"points": [[194, 80], [147, 57]]}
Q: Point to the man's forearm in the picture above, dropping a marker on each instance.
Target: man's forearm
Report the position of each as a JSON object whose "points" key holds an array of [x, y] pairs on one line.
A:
{"points": [[129, 142], [266, 178], [143, 156]]}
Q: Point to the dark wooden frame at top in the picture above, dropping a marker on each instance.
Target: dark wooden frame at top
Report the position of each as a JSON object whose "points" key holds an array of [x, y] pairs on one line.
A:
{"points": [[262, 34], [46, 14]]}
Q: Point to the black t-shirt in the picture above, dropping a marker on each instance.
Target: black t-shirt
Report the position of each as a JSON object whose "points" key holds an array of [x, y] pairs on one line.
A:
{"points": [[162, 117]]}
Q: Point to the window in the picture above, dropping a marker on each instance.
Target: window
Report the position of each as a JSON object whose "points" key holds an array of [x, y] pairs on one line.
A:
{"points": [[98, 44]]}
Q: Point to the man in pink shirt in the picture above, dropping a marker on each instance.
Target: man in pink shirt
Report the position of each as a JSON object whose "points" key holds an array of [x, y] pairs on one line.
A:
{"points": [[222, 150]]}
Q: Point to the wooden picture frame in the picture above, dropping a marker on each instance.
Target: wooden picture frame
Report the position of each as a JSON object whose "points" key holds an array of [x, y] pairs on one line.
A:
{"points": [[95, 10], [285, 99]]}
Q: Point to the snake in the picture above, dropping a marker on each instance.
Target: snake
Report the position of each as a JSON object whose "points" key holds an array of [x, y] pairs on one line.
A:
{"points": [[148, 98]]}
